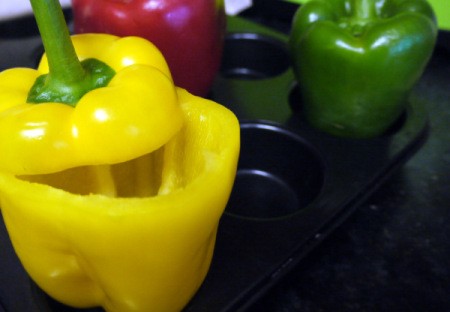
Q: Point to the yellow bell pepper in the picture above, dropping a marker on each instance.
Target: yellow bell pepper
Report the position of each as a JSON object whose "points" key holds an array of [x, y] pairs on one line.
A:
{"points": [[115, 201], [108, 125], [137, 252]]}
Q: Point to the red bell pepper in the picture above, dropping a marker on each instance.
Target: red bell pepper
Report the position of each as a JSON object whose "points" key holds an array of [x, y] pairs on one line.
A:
{"points": [[189, 33]]}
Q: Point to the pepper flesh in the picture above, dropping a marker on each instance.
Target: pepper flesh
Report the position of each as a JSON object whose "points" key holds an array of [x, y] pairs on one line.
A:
{"points": [[189, 33], [357, 60], [115, 203]]}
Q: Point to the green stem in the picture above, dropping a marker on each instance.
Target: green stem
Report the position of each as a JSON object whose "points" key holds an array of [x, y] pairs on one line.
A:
{"points": [[68, 79], [64, 66], [364, 10]]}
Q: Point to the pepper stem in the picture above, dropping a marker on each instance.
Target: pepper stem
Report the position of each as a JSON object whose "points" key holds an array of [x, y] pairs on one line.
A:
{"points": [[65, 68], [364, 10], [68, 79]]}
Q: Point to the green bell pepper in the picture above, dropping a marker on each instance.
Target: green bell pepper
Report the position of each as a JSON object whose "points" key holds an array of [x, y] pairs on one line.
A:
{"points": [[356, 61]]}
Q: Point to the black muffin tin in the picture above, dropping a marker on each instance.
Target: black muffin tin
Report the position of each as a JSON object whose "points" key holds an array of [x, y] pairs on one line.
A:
{"points": [[294, 184]]}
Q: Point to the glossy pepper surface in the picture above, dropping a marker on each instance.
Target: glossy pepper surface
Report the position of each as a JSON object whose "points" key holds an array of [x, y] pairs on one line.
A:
{"points": [[189, 33], [356, 61], [115, 201]]}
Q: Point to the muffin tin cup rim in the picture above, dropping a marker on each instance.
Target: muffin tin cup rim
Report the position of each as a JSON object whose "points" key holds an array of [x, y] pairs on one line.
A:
{"points": [[312, 151], [283, 129]]}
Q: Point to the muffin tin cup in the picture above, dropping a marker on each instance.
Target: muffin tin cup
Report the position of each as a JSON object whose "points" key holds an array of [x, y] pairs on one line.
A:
{"points": [[278, 174], [294, 184]]}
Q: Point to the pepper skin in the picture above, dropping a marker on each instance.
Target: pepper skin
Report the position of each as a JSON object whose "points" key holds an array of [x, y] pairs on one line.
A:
{"points": [[189, 33], [356, 61], [115, 201]]}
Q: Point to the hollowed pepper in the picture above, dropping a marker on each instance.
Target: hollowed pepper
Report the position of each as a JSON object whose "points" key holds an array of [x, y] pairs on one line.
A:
{"points": [[356, 61], [112, 193]]}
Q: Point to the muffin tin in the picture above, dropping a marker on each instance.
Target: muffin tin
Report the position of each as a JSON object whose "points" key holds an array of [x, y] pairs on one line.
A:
{"points": [[294, 184]]}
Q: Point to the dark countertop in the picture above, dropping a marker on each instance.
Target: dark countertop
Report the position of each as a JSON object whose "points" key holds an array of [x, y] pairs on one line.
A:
{"points": [[393, 253]]}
